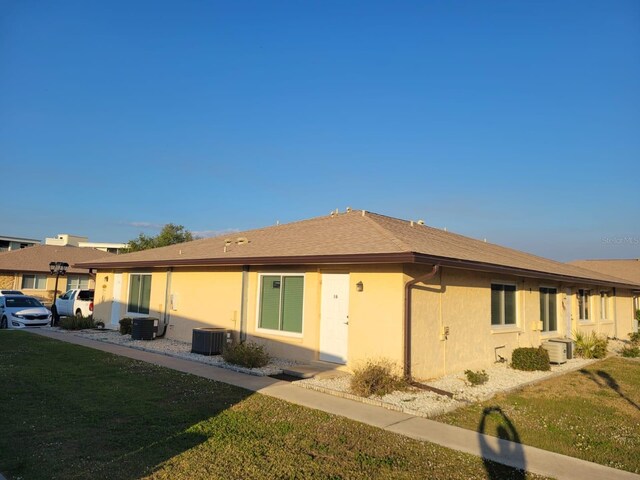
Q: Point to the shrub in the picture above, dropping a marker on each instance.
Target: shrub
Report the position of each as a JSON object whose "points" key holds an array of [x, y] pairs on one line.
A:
{"points": [[246, 354], [635, 337], [530, 359], [591, 345], [76, 323], [630, 351], [125, 326], [477, 378], [376, 378]]}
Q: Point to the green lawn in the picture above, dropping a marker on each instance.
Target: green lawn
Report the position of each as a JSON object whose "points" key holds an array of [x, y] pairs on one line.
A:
{"points": [[71, 412], [593, 414]]}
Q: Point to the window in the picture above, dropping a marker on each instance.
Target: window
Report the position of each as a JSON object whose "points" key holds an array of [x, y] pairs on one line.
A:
{"points": [[77, 281], [604, 305], [548, 312], [583, 304], [139, 293], [503, 304], [281, 303], [36, 282]]}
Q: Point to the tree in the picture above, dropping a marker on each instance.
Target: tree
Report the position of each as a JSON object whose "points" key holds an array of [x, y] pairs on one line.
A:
{"points": [[169, 235]]}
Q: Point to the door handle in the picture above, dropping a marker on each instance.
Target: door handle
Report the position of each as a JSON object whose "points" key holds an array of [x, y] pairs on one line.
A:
{"points": [[346, 323]]}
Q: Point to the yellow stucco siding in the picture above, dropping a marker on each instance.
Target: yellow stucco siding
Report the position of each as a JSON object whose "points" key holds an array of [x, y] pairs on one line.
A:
{"points": [[455, 300], [376, 314], [201, 298]]}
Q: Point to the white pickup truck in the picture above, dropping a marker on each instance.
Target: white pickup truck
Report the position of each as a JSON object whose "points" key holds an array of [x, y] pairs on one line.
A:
{"points": [[75, 302]]}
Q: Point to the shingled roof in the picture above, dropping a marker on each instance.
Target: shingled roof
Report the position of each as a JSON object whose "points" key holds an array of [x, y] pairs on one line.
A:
{"points": [[628, 269], [37, 258], [354, 237]]}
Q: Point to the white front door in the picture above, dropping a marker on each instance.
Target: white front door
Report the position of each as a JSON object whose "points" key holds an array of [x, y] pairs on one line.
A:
{"points": [[116, 301], [334, 317]]}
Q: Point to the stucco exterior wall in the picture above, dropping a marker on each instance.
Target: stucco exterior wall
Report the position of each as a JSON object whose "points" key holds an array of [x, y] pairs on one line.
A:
{"points": [[201, 298], [460, 301], [451, 320]]}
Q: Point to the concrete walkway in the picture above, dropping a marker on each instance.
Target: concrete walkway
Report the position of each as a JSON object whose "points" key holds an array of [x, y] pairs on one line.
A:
{"points": [[508, 453]]}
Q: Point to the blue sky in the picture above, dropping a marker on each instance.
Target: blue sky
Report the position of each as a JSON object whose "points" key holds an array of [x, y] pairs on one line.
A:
{"points": [[514, 121]]}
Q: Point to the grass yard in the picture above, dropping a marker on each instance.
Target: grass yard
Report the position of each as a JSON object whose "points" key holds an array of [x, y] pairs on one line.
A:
{"points": [[593, 414], [72, 412]]}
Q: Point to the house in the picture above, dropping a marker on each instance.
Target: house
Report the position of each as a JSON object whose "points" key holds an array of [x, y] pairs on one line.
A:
{"points": [[28, 270], [628, 269], [16, 243], [64, 239], [353, 286]]}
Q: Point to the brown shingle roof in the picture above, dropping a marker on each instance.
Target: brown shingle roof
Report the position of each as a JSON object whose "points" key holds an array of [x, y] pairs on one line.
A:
{"points": [[354, 237], [37, 258], [628, 269]]}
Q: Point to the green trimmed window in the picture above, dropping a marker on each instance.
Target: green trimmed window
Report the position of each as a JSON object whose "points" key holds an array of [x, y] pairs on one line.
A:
{"points": [[281, 302], [139, 293], [548, 311], [503, 304]]}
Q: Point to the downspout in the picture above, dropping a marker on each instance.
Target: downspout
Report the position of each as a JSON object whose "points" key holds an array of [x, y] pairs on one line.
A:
{"points": [[407, 316], [243, 303], [167, 301], [615, 314]]}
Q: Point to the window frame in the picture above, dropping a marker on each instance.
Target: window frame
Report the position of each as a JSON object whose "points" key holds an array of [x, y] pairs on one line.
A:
{"points": [[270, 331], [589, 305], [605, 313], [542, 320], [505, 326], [80, 278], [35, 278], [128, 297]]}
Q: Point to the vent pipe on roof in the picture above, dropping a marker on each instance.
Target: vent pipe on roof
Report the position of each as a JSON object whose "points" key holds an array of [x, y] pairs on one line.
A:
{"points": [[411, 223], [364, 212], [420, 222], [348, 210]]}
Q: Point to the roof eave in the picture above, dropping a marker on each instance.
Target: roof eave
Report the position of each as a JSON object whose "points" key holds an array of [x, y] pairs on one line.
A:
{"points": [[367, 258], [493, 268]]}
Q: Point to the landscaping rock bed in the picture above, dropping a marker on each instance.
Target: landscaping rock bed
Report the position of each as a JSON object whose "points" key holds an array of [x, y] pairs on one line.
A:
{"points": [[178, 349], [428, 404]]}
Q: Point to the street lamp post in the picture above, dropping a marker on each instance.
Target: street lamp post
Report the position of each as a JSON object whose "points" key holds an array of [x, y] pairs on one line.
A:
{"points": [[57, 269]]}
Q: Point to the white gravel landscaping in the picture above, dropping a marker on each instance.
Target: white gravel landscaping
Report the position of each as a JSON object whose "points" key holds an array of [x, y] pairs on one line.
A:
{"points": [[428, 404], [175, 348]]}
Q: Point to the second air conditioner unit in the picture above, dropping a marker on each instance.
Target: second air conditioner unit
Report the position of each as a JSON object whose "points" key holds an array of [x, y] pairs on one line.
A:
{"points": [[557, 352]]}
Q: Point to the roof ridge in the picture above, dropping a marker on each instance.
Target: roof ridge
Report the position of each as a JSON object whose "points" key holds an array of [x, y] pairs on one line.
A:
{"points": [[385, 231]]}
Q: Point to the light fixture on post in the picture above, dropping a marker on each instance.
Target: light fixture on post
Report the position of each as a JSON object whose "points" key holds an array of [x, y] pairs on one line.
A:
{"points": [[360, 286], [57, 269]]}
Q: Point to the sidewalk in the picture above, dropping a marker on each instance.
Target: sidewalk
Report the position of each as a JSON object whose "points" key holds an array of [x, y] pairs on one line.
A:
{"points": [[512, 454]]}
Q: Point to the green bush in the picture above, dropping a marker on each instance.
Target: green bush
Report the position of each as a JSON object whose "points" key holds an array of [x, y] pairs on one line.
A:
{"points": [[376, 378], [630, 351], [125, 326], [635, 337], [477, 378], [591, 345], [530, 359], [246, 354], [76, 323]]}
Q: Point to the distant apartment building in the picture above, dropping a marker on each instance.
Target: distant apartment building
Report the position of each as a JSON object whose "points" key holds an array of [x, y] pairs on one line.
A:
{"points": [[8, 244], [65, 239]]}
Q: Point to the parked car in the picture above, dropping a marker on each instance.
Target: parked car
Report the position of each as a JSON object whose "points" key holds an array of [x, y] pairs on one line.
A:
{"points": [[20, 311], [75, 302], [11, 292]]}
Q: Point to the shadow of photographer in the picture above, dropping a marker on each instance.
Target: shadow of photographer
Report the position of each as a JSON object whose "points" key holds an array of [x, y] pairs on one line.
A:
{"points": [[508, 451]]}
